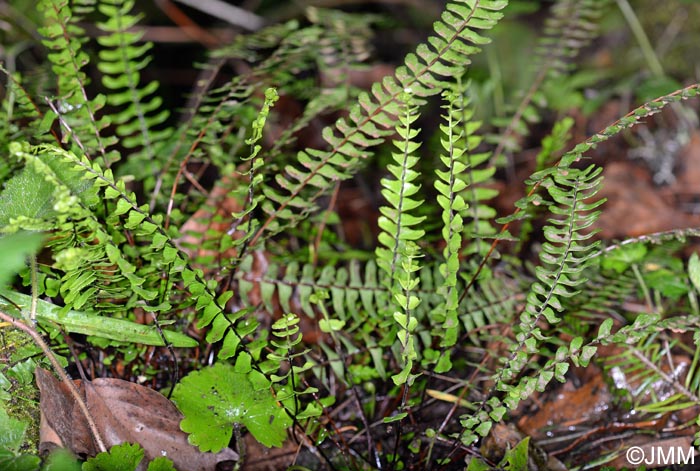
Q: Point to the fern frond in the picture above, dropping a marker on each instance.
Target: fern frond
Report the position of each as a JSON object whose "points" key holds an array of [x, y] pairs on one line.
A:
{"points": [[564, 257], [344, 45], [255, 178], [449, 184], [570, 27], [369, 122], [20, 107], [478, 176], [121, 61], [396, 221], [76, 110]]}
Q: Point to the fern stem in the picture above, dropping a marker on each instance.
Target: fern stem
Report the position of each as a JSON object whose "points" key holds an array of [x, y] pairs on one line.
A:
{"points": [[644, 44], [644, 287]]}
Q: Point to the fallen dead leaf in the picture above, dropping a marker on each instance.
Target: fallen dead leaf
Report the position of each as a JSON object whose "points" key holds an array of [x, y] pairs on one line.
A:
{"points": [[123, 412], [570, 407], [635, 206]]}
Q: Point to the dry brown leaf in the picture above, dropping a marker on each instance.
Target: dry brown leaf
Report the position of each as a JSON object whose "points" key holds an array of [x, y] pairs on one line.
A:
{"points": [[123, 412], [571, 406]]}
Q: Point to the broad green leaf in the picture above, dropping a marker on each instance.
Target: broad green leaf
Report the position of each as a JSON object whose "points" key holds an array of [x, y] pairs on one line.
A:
{"points": [[475, 464], [124, 457], [217, 398], [15, 200], [48, 185], [11, 462], [12, 435], [61, 459], [161, 464], [517, 458], [88, 323], [621, 258]]}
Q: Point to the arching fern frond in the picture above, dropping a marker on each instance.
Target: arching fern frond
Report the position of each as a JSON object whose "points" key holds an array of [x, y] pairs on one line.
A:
{"points": [[370, 121], [571, 26]]}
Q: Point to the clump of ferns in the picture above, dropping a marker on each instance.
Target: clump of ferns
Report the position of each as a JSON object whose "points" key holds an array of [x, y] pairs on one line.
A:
{"points": [[565, 257], [407, 313]]}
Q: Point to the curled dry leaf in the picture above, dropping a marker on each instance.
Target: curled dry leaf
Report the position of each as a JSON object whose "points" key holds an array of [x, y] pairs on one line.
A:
{"points": [[123, 412]]}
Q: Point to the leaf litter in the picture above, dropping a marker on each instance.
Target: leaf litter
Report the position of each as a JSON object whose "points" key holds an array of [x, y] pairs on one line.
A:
{"points": [[124, 412]]}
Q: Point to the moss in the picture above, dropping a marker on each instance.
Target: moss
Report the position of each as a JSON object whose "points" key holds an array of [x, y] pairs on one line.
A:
{"points": [[19, 395]]}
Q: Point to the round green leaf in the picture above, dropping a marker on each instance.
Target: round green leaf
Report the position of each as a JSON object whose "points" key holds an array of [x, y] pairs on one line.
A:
{"points": [[216, 398]]}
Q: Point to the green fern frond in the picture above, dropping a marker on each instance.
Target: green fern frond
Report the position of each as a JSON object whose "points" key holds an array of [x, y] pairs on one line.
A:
{"points": [[478, 177], [569, 28], [371, 120], [121, 61], [563, 256], [345, 42], [396, 221], [255, 178], [572, 25], [77, 112], [450, 184]]}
